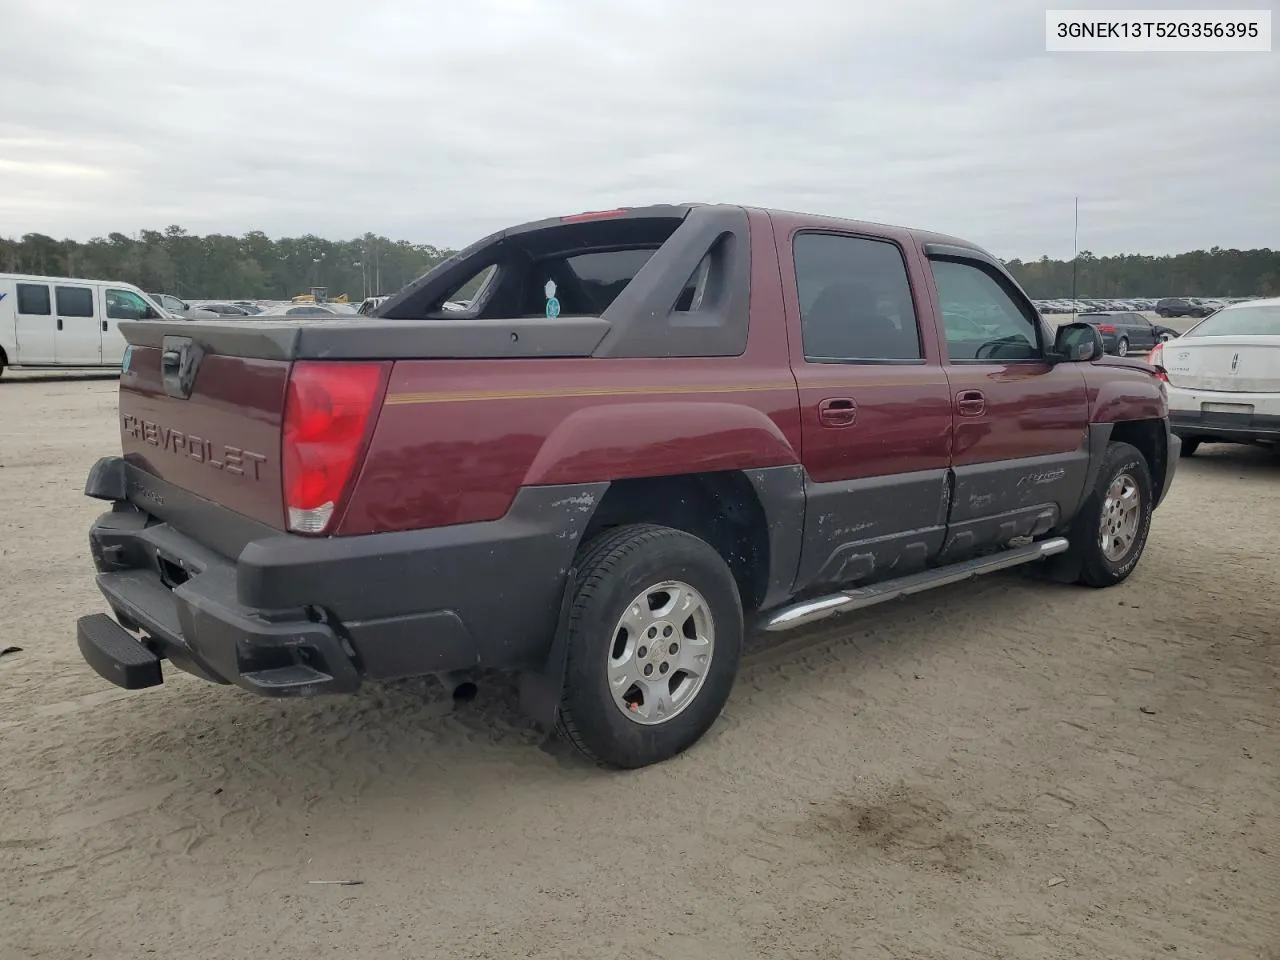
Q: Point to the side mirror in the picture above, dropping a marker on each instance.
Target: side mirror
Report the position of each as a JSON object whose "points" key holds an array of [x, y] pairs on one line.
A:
{"points": [[1078, 343]]}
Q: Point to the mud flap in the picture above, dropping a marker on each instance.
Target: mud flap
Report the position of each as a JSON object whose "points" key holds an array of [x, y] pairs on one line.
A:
{"points": [[540, 688]]}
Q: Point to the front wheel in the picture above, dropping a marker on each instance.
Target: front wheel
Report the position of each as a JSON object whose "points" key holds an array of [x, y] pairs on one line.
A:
{"points": [[1122, 348], [1111, 531], [655, 636], [1189, 448]]}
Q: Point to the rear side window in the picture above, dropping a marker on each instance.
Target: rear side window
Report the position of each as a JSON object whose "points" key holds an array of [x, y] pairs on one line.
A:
{"points": [[75, 302], [33, 300], [855, 300]]}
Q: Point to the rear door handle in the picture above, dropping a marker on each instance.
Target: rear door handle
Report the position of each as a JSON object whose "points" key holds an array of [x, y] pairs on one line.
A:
{"points": [[971, 403], [59, 323], [837, 412]]}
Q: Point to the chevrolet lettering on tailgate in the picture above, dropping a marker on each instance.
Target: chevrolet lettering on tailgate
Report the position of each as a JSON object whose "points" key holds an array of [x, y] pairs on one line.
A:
{"points": [[235, 460]]}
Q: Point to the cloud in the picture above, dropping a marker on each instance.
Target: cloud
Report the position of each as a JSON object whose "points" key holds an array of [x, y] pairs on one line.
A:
{"points": [[439, 122]]}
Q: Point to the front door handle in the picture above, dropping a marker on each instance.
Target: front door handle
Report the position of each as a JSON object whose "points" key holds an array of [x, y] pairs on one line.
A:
{"points": [[971, 403], [837, 412]]}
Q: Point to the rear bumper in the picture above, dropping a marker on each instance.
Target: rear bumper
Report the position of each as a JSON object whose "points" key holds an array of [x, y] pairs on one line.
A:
{"points": [[1207, 414], [1225, 426], [300, 615]]}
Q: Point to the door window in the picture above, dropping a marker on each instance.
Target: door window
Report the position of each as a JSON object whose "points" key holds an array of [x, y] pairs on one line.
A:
{"points": [[855, 300], [33, 300], [75, 302], [127, 305], [981, 319]]}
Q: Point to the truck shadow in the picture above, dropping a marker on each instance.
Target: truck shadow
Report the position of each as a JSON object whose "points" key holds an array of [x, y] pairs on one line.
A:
{"points": [[411, 736]]}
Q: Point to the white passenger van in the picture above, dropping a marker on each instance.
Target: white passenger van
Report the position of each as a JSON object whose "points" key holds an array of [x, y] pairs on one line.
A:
{"points": [[64, 323]]}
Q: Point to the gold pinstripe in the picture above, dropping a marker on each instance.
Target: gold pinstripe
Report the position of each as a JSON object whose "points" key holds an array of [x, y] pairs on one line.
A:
{"points": [[472, 396]]}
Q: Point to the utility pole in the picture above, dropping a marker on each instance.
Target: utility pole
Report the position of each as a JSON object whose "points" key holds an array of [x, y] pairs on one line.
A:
{"points": [[1075, 256]]}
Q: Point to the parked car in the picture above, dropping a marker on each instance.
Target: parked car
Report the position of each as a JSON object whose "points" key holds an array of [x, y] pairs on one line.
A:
{"points": [[180, 308], [1181, 307], [1123, 331], [224, 309], [649, 429], [1224, 377], [297, 310], [67, 323]]}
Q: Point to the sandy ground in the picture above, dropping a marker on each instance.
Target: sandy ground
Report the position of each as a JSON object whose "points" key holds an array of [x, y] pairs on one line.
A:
{"points": [[1004, 769]]}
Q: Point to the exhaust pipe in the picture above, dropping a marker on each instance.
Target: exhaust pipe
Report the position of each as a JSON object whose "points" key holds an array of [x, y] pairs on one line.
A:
{"points": [[459, 683]]}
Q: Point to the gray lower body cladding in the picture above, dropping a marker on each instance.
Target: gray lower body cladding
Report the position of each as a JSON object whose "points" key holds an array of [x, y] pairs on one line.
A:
{"points": [[297, 615]]}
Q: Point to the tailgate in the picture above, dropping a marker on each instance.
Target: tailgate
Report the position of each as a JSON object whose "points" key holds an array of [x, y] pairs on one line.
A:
{"points": [[205, 422], [202, 403]]}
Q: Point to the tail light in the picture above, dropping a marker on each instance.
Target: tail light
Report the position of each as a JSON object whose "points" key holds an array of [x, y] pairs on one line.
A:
{"points": [[1106, 328], [1156, 359], [327, 415]]}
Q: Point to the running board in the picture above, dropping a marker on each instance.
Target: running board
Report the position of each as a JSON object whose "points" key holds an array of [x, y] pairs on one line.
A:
{"points": [[809, 611]]}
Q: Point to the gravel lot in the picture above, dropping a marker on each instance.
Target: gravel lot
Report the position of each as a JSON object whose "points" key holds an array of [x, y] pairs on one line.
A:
{"points": [[1002, 769]]}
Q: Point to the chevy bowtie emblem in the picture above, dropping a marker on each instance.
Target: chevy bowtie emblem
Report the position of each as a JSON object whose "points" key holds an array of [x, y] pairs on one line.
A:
{"points": [[1235, 363]]}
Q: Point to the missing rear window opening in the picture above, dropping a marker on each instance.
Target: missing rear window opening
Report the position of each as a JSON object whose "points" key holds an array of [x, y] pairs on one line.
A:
{"points": [[600, 277]]}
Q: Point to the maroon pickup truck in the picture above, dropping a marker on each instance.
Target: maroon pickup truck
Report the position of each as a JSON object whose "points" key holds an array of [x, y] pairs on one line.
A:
{"points": [[628, 437]]}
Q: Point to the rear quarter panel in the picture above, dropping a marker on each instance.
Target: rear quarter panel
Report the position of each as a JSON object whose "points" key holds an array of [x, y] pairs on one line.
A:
{"points": [[446, 452]]}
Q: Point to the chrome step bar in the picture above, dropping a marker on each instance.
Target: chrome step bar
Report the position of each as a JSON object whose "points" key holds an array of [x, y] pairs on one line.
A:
{"points": [[810, 611]]}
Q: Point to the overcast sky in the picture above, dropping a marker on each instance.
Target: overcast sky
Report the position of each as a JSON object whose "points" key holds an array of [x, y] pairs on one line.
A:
{"points": [[438, 122]]}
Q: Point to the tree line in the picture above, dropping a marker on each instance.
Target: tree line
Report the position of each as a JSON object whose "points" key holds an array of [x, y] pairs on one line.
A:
{"points": [[1200, 273], [253, 266], [256, 266]]}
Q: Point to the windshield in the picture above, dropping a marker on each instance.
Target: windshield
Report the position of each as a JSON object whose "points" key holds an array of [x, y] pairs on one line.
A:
{"points": [[1240, 322]]}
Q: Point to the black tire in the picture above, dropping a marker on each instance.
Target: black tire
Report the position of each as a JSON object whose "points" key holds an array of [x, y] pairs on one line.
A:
{"points": [[1096, 568], [1189, 448], [1122, 347], [1164, 313], [614, 568]]}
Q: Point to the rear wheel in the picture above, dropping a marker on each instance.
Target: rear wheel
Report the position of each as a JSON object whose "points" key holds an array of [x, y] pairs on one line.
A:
{"points": [[655, 636], [1122, 348], [1111, 531], [1189, 448]]}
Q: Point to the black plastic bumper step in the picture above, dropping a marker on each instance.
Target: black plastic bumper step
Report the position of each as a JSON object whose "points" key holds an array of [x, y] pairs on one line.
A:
{"points": [[115, 654]]}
